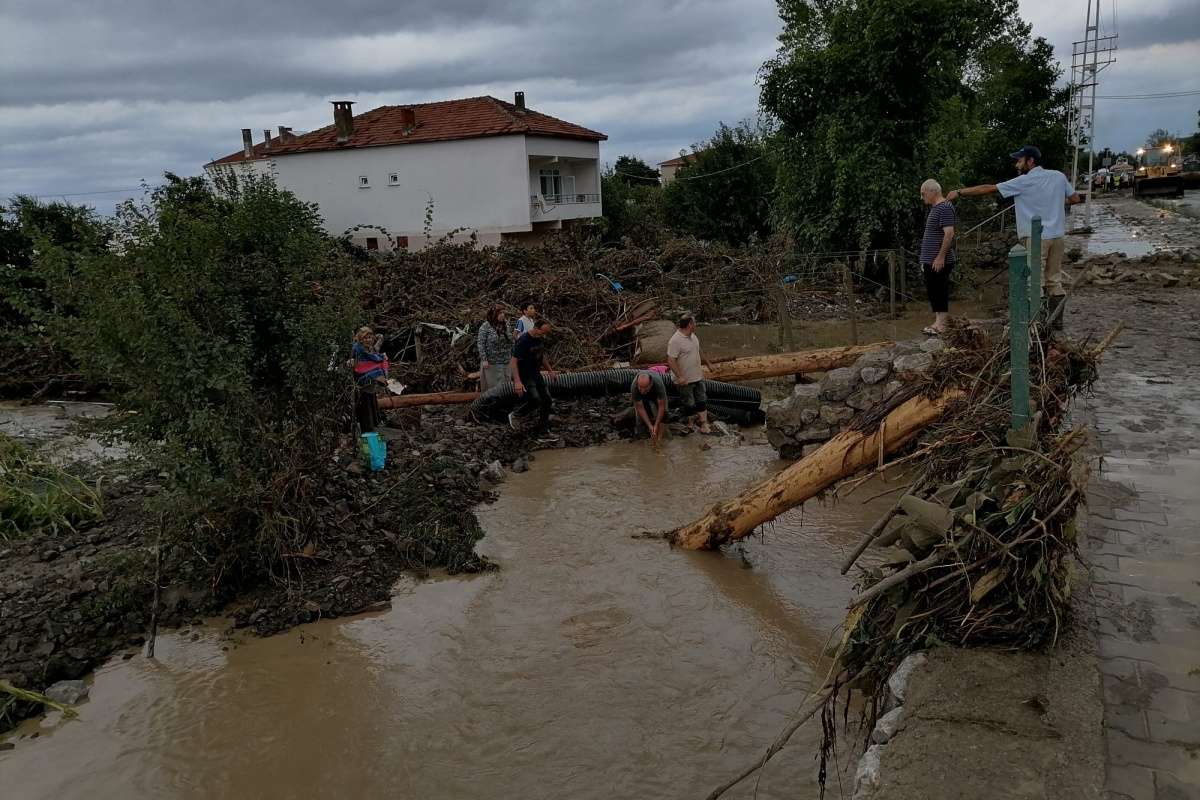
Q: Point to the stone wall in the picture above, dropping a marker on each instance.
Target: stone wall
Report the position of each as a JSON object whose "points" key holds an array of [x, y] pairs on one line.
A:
{"points": [[816, 412]]}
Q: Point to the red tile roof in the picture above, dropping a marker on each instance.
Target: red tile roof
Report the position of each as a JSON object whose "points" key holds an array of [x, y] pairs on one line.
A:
{"points": [[680, 160], [436, 122]]}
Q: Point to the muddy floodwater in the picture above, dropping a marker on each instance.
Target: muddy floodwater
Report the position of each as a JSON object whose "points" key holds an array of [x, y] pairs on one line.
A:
{"points": [[592, 665]]}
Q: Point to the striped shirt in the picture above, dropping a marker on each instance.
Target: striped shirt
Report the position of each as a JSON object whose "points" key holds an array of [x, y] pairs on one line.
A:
{"points": [[940, 216]]}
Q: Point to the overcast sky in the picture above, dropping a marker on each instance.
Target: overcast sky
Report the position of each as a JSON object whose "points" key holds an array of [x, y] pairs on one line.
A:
{"points": [[96, 96]]}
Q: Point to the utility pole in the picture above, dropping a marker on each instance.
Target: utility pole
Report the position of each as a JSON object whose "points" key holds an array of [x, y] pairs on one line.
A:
{"points": [[1088, 58]]}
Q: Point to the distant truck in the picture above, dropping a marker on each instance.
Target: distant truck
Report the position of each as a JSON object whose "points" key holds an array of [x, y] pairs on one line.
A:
{"points": [[1160, 173]]}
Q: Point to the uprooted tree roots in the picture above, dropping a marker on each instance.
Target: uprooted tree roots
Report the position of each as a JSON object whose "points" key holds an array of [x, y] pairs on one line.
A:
{"points": [[979, 548]]}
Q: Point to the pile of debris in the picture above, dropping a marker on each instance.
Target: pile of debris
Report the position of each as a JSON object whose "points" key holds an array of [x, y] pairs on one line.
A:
{"points": [[977, 551], [429, 304], [978, 548], [1163, 269]]}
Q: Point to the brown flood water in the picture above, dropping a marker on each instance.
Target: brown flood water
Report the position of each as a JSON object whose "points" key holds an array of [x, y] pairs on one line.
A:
{"points": [[593, 665]]}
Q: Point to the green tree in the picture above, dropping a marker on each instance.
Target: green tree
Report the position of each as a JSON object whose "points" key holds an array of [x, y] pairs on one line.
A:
{"points": [[873, 96], [632, 171], [221, 318], [30, 361], [723, 192], [632, 210], [1012, 88]]}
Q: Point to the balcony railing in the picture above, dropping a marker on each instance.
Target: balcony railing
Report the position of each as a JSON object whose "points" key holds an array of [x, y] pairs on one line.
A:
{"points": [[562, 199]]}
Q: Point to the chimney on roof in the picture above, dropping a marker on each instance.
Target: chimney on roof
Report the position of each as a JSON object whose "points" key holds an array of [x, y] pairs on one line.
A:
{"points": [[343, 118], [285, 134], [266, 138], [247, 143], [519, 100], [408, 120]]}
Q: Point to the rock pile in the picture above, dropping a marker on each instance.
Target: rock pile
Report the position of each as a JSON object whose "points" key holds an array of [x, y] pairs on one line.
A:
{"points": [[816, 412], [1165, 269]]}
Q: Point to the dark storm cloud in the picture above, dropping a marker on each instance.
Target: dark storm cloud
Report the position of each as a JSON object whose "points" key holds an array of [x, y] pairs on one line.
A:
{"points": [[100, 95], [138, 51]]}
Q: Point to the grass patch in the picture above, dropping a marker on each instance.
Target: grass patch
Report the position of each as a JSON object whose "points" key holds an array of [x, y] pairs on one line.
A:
{"points": [[39, 497]]}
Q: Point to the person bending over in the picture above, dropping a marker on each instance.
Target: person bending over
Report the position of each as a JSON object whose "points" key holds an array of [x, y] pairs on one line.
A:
{"points": [[649, 396]]}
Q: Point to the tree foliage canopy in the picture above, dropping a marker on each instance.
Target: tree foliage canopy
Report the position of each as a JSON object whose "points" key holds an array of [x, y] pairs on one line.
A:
{"points": [[873, 96], [723, 192], [632, 171]]}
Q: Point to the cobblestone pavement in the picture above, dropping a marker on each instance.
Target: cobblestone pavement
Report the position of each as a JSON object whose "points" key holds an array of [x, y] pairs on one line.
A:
{"points": [[1144, 537]]}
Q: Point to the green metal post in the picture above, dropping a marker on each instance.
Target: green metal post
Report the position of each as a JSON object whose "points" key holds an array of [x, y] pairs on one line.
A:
{"points": [[1035, 268], [1018, 323]]}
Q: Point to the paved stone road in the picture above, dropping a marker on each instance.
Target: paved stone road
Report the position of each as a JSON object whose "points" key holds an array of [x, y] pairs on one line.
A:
{"points": [[1144, 537]]}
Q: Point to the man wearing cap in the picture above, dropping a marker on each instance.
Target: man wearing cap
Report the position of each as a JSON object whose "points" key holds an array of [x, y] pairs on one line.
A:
{"points": [[1037, 192]]}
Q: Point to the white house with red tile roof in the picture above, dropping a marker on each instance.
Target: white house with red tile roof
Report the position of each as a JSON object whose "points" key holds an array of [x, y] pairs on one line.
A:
{"points": [[499, 169]]}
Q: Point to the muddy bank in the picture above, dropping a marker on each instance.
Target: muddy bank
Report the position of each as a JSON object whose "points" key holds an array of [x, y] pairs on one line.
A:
{"points": [[69, 599], [993, 725]]}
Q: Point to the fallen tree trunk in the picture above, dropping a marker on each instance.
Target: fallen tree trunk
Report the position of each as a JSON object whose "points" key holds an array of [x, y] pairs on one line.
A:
{"points": [[756, 367], [434, 399], [840, 457]]}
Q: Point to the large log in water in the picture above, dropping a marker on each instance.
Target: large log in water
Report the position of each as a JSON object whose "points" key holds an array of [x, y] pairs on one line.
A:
{"points": [[434, 399], [756, 367], [840, 457]]}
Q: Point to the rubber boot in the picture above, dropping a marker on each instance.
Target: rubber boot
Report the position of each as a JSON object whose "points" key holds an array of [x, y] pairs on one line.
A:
{"points": [[1056, 309]]}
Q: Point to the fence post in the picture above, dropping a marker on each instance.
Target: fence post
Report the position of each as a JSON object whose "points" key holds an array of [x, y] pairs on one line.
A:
{"points": [[785, 318], [1019, 260], [903, 281], [892, 283], [848, 281], [1035, 268]]}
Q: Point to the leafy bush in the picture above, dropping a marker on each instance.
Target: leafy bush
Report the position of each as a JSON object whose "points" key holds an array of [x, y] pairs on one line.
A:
{"points": [[222, 316]]}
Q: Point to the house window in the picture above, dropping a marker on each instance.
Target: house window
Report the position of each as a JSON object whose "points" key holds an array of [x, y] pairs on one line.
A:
{"points": [[393, 179], [402, 242], [550, 184], [372, 243], [364, 182]]}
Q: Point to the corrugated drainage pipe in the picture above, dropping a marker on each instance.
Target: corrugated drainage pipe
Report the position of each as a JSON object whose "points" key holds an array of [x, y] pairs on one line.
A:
{"points": [[494, 404]]}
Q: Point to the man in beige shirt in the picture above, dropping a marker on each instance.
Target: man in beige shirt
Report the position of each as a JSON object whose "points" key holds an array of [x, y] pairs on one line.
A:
{"points": [[683, 354]]}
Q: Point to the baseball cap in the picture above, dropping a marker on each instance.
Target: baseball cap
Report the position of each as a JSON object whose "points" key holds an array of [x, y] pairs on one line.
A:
{"points": [[1028, 151]]}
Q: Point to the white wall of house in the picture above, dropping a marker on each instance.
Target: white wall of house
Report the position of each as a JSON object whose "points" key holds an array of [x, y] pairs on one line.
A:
{"points": [[241, 169], [476, 184], [483, 185]]}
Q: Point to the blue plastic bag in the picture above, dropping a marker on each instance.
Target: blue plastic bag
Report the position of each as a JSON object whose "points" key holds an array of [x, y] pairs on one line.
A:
{"points": [[376, 451]]}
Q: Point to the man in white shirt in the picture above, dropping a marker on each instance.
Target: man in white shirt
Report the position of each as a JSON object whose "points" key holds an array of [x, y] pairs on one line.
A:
{"points": [[683, 354], [1037, 192]]}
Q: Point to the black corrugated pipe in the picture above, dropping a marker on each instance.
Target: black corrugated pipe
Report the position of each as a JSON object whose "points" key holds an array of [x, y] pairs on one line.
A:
{"points": [[494, 404]]}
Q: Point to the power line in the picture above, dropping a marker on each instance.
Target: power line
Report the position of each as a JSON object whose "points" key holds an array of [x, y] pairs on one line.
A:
{"points": [[718, 172], [77, 194], [692, 177], [1157, 96]]}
